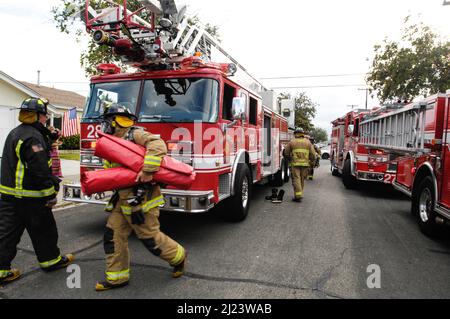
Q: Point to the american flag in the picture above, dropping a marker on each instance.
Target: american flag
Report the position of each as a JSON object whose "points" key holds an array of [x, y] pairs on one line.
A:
{"points": [[70, 125]]}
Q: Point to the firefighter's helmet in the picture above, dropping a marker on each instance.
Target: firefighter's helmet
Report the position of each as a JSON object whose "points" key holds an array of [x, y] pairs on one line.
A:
{"points": [[119, 110], [117, 115], [299, 131], [35, 105]]}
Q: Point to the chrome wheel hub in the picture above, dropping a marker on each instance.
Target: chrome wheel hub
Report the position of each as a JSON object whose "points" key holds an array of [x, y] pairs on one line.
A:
{"points": [[425, 205], [245, 192]]}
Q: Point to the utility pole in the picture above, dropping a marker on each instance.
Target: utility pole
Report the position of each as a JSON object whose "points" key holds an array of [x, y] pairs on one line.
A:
{"points": [[39, 78], [367, 96]]}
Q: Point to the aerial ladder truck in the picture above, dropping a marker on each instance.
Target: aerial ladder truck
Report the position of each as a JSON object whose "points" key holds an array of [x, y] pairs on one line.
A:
{"points": [[418, 133], [216, 117]]}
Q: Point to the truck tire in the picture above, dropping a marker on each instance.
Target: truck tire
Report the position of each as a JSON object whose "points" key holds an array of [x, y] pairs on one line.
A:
{"points": [[325, 156], [278, 179], [334, 170], [287, 174], [422, 208], [237, 206], [348, 179]]}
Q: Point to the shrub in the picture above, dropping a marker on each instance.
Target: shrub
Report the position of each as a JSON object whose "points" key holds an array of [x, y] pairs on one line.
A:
{"points": [[70, 143]]}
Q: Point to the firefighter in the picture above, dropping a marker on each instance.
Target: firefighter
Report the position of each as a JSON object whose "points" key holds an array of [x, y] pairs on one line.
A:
{"points": [[136, 209], [316, 163], [299, 152], [28, 193]]}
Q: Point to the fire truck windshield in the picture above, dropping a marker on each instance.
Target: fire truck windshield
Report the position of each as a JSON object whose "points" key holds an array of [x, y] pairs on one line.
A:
{"points": [[181, 100], [105, 94]]}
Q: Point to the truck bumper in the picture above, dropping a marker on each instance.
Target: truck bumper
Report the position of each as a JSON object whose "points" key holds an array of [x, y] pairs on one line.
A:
{"points": [[193, 202]]}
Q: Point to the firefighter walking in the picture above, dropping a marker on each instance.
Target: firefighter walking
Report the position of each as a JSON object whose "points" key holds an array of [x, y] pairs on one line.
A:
{"points": [[136, 209], [299, 152], [316, 163], [28, 193]]}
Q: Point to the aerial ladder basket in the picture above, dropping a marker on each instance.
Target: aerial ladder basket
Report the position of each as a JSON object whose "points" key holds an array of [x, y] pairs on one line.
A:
{"points": [[158, 35], [399, 131]]}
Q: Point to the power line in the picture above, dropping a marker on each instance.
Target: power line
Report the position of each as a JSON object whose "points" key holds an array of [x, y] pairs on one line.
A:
{"points": [[316, 86], [313, 76]]}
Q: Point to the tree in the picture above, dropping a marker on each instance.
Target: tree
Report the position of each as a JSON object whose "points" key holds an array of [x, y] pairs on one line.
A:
{"points": [[66, 19], [419, 65], [305, 110], [319, 134]]}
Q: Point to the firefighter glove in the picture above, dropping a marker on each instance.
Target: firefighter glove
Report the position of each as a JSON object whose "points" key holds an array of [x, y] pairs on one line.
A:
{"points": [[137, 218]]}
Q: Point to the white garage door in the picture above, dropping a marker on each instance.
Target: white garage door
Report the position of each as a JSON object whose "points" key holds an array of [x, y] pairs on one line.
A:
{"points": [[7, 122]]}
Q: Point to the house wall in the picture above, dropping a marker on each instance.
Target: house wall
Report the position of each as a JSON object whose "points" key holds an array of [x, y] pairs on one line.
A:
{"points": [[10, 97]]}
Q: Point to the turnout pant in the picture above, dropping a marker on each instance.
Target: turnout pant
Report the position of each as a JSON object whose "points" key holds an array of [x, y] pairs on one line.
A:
{"points": [[299, 174], [120, 227], [16, 215]]}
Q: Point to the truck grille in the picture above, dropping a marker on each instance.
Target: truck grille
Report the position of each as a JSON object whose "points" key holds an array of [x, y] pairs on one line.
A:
{"points": [[224, 186]]}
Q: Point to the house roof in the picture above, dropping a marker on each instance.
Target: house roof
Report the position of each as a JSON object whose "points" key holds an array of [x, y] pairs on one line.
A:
{"points": [[58, 97]]}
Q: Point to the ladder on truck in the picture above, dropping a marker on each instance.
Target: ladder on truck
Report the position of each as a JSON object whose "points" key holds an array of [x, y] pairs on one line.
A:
{"points": [[161, 36], [401, 130]]}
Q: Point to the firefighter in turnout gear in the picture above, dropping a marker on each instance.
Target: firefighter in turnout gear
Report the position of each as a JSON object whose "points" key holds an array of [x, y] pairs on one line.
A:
{"points": [[299, 152], [28, 193], [136, 209], [316, 163]]}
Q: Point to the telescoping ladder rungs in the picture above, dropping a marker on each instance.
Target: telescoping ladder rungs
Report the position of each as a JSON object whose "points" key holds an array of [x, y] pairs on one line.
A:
{"points": [[402, 130]]}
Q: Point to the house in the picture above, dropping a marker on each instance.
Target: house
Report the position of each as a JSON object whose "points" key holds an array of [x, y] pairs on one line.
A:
{"points": [[13, 93]]}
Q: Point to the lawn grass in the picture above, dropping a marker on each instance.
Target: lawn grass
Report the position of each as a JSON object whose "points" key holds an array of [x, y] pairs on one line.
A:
{"points": [[70, 156]]}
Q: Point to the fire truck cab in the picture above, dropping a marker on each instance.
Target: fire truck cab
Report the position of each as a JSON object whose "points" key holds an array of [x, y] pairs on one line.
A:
{"points": [[226, 132], [353, 161]]}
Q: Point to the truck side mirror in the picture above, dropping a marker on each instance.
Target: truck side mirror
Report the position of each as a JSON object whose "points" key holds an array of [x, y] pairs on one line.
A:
{"points": [[238, 108]]}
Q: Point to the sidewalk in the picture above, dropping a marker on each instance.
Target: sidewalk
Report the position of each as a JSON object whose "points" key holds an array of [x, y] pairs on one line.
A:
{"points": [[71, 173]]}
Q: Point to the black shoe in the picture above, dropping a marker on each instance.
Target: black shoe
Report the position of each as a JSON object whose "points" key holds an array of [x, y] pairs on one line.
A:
{"points": [[297, 200], [63, 263], [280, 197], [104, 285], [12, 275], [274, 195]]}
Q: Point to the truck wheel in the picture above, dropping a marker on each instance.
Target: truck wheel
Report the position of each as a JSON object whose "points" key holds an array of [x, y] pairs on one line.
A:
{"points": [[348, 179], [279, 178], [334, 170], [237, 207], [287, 173], [422, 208], [326, 156]]}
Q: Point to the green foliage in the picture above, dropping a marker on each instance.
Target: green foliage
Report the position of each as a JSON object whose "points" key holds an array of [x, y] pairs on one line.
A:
{"points": [[419, 65], [70, 143], [64, 16], [305, 110], [319, 134]]}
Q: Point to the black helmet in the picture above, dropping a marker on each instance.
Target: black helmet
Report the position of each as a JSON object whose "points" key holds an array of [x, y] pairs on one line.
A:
{"points": [[35, 105], [299, 130], [119, 110]]}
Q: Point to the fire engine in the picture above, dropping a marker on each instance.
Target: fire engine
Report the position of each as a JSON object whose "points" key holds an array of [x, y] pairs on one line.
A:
{"points": [[351, 159], [215, 117], [419, 134]]}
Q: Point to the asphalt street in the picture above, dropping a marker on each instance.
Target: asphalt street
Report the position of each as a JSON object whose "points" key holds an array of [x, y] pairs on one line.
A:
{"points": [[321, 248]]}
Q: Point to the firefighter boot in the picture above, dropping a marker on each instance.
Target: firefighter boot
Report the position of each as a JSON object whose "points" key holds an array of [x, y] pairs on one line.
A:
{"points": [[10, 276], [63, 263], [104, 286], [280, 197], [179, 270], [274, 195]]}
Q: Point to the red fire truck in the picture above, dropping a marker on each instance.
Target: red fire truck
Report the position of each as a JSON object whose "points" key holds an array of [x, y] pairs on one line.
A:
{"points": [[419, 134], [354, 161], [228, 131]]}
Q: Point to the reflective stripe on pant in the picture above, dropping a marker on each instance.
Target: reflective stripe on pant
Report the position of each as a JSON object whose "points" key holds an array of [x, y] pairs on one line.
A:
{"points": [[299, 174], [16, 216], [119, 228]]}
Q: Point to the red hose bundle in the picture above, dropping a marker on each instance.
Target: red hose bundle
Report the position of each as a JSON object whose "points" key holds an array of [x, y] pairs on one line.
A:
{"points": [[131, 156]]}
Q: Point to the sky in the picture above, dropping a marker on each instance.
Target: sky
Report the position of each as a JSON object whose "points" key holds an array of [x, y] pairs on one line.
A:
{"points": [[281, 38]]}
